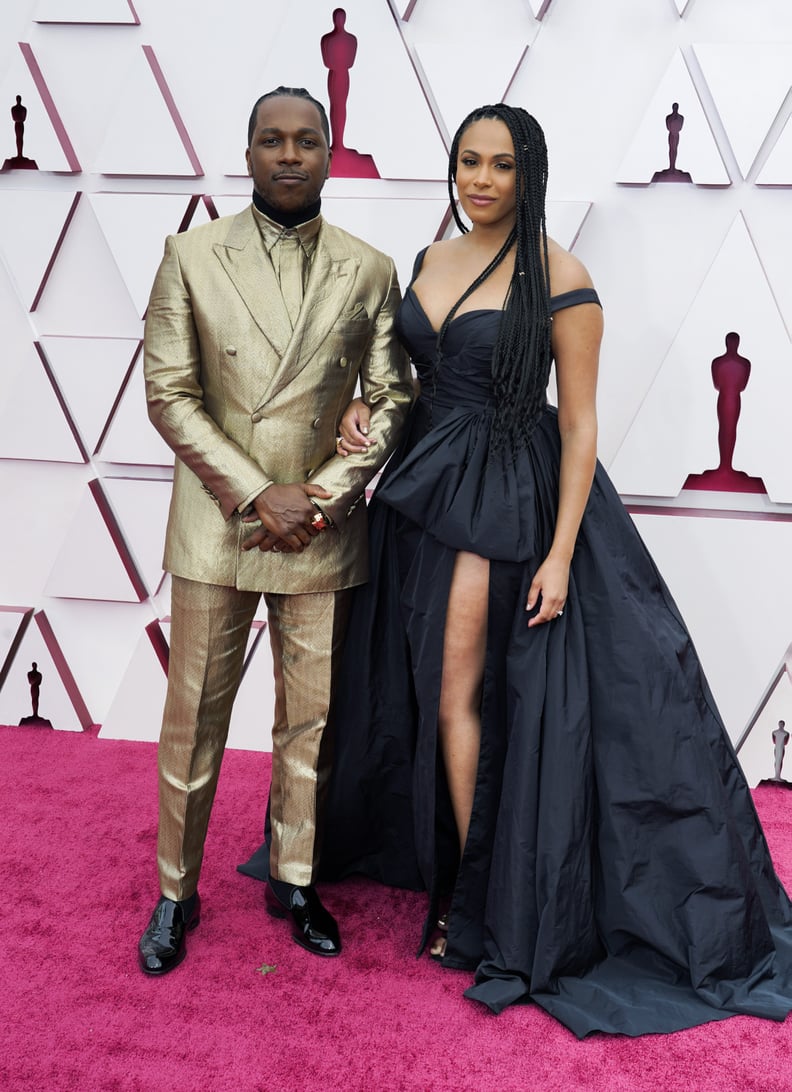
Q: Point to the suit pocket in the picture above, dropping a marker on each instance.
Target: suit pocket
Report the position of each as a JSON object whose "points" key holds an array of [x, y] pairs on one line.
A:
{"points": [[350, 337], [356, 313]]}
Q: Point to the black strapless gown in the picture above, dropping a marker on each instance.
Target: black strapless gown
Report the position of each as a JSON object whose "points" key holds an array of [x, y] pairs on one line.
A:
{"points": [[615, 871]]}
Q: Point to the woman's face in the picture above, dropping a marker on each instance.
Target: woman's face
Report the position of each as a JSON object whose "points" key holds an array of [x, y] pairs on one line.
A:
{"points": [[486, 173]]}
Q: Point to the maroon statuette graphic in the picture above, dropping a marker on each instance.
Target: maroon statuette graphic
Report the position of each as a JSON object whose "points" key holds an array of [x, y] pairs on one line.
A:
{"points": [[34, 679], [674, 122], [19, 162], [730, 375], [339, 49]]}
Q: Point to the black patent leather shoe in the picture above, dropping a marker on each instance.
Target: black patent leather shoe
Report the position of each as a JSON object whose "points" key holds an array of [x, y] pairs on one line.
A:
{"points": [[163, 945], [313, 928]]}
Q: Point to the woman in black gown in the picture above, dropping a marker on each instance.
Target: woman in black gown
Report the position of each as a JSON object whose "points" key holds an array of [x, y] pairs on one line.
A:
{"points": [[539, 747]]}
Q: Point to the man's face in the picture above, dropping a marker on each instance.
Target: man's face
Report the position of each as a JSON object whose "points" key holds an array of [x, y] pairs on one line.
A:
{"points": [[288, 158]]}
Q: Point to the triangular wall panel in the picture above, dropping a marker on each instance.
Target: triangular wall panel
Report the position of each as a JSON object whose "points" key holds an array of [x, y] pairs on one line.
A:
{"points": [[92, 562], [777, 170], [136, 712], [32, 421], [675, 431], [57, 694], [131, 438], [749, 83], [32, 225], [146, 106], [45, 140], [698, 152], [135, 226], [90, 373], [141, 507], [85, 294], [484, 62]]}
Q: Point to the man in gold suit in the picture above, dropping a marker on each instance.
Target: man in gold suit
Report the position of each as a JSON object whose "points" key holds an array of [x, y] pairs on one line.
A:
{"points": [[258, 330]]}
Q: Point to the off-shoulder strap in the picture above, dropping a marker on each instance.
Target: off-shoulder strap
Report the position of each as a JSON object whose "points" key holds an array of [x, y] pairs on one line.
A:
{"points": [[571, 299]]}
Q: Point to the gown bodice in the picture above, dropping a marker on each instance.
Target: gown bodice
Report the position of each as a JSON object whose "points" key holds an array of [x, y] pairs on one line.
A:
{"points": [[450, 478], [463, 376]]}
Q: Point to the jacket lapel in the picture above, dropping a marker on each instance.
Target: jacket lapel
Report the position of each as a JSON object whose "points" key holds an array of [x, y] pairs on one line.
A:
{"points": [[330, 284], [244, 259]]}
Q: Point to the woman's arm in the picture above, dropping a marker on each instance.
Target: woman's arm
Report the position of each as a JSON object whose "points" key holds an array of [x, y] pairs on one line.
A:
{"points": [[576, 337]]}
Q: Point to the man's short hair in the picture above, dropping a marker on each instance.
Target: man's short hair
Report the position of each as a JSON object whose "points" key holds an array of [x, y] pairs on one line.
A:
{"points": [[289, 93]]}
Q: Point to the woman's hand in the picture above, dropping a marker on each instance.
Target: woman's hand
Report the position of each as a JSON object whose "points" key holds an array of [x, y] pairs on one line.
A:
{"points": [[551, 584], [353, 435]]}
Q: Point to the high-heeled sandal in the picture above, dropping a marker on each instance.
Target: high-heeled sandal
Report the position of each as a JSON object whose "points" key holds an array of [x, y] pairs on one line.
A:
{"points": [[438, 949]]}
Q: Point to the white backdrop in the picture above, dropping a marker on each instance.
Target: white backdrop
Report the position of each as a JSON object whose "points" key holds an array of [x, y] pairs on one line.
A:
{"points": [[137, 114]]}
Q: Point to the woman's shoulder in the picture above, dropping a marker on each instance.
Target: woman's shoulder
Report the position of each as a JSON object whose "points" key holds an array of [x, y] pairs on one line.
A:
{"points": [[567, 273], [436, 255], [439, 252]]}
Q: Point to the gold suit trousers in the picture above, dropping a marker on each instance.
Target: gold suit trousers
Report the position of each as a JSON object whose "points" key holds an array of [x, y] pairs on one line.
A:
{"points": [[210, 625]]}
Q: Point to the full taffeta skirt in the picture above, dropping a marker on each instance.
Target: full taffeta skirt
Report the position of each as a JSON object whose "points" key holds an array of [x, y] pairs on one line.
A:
{"points": [[615, 872]]}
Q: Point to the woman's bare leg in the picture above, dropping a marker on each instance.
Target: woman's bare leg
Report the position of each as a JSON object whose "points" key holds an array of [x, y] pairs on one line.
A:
{"points": [[459, 718]]}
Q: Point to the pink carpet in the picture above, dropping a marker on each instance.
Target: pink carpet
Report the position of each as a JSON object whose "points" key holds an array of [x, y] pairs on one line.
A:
{"points": [[249, 1009]]}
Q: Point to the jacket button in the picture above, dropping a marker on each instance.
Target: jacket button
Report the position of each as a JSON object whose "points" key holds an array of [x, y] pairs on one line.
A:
{"points": [[231, 350], [343, 362], [317, 422], [256, 418]]}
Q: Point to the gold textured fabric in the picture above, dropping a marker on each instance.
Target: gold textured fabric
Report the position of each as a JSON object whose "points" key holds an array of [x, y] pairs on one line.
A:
{"points": [[306, 634], [245, 400], [209, 631], [271, 232], [290, 260]]}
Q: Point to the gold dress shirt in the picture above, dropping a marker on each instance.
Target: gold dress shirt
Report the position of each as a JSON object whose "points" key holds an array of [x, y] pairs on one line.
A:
{"points": [[290, 250]]}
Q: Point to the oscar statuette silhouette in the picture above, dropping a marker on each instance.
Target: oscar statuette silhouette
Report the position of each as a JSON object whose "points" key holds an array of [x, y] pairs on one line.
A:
{"points": [[730, 375], [674, 122], [339, 49], [19, 162], [34, 680]]}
